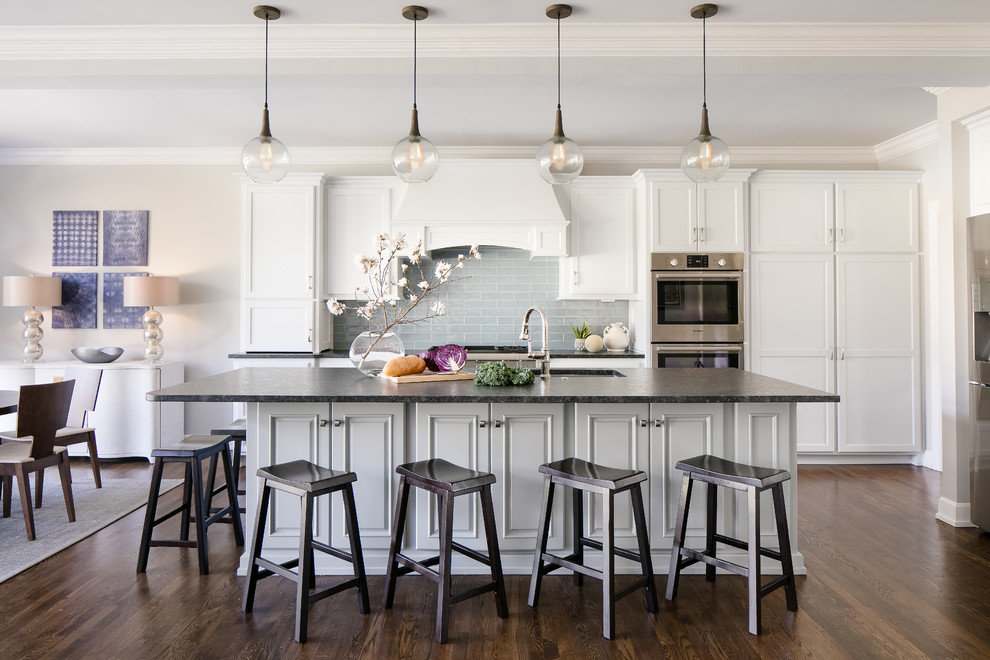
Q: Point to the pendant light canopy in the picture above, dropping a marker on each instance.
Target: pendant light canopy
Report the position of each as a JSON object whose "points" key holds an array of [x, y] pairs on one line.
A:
{"points": [[265, 159], [705, 158], [414, 158], [559, 159]]}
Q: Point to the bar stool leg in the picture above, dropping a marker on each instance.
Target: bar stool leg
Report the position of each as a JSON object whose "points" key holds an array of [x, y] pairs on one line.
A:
{"points": [[350, 513], [199, 502], [536, 581], [712, 516], [305, 567], [494, 558], [577, 501], [643, 538], [235, 514], [608, 564], [398, 527], [784, 541], [247, 604], [149, 516], [680, 528], [186, 501], [445, 506], [753, 496]]}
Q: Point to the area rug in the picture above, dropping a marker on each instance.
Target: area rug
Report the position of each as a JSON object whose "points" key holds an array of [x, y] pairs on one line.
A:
{"points": [[95, 509]]}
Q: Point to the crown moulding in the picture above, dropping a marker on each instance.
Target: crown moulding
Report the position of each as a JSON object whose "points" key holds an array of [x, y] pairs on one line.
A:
{"points": [[502, 40]]}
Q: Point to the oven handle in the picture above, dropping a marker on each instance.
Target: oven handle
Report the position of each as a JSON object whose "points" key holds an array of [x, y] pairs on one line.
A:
{"points": [[697, 348], [687, 275]]}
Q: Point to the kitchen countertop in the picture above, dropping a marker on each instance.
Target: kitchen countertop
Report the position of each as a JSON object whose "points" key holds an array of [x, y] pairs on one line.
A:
{"points": [[640, 385], [509, 355]]}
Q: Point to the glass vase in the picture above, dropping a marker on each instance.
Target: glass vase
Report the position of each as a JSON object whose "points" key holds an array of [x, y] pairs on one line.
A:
{"points": [[370, 350]]}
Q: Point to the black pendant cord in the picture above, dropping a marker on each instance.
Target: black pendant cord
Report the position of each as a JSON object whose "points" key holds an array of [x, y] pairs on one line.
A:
{"points": [[558, 61], [266, 61], [415, 60], [704, 62]]}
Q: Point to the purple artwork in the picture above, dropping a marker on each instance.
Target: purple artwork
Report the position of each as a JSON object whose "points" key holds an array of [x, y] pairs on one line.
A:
{"points": [[74, 238], [125, 238], [115, 315], [78, 308]]}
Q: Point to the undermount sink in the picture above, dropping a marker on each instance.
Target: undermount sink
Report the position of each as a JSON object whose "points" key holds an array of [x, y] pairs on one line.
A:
{"points": [[582, 373]]}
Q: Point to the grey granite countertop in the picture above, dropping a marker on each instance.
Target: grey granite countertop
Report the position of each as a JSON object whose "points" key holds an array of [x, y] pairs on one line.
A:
{"points": [[640, 385], [342, 353]]}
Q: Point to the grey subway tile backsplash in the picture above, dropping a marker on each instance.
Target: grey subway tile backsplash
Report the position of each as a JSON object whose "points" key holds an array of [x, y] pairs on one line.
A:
{"points": [[487, 306]]}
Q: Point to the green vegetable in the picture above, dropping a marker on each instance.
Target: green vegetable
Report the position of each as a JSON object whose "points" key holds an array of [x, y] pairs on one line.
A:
{"points": [[581, 332], [495, 374]]}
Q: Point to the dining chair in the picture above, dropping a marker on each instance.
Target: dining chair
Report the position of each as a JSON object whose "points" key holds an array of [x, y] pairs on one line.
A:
{"points": [[41, 411], [83, 402]]}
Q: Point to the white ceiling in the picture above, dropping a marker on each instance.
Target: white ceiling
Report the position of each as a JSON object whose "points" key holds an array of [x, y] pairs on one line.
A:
{"points": [[189, 74]]}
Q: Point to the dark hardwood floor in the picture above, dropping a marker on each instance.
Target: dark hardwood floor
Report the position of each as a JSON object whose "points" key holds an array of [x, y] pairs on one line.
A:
{"points": [[885, 580]]}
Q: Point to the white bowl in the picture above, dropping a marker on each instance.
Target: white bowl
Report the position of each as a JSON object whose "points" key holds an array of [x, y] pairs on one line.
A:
{"points": [[105, 354]]}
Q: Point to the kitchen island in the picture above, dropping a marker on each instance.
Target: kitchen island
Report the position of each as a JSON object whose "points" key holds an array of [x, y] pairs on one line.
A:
{"points": [[644, 419]]}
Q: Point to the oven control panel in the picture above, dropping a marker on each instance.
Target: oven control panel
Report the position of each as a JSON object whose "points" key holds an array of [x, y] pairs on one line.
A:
{"points": [[683, 261]]}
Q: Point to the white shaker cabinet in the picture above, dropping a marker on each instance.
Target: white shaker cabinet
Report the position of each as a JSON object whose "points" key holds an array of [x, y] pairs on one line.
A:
{"points": [[682, 216], [603, 264], [369, 440], [126, 424], [281, 277], [878, 213], [357, 209], [792, 212]]}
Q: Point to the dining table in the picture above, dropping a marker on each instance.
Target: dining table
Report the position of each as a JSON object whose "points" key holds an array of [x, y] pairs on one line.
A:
{"points": [[8, 401]]}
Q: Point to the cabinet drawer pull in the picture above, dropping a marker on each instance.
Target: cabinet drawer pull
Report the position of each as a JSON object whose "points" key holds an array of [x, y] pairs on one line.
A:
{"points": [[323, 422], [660, 421], [498, 423], [701, 235], [643, 423], [338, 422], [828, 241], [482, 423], [842, 234]]}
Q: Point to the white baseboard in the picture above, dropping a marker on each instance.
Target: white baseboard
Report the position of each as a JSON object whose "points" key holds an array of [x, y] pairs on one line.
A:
{"points": [[857, 459], [952, 513]]}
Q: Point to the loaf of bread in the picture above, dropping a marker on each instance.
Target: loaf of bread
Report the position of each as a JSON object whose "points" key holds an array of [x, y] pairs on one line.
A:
{"points": [[404, 366]]}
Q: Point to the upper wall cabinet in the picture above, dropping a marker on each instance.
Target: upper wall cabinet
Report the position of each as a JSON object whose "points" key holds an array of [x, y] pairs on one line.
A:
{"points": [[602, 240], [281, 276], [357, 209], [844, 212], [683, 216]]}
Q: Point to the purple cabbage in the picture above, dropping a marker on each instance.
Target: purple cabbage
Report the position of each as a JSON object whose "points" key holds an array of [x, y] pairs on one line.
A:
{"points": [[429, 358]]}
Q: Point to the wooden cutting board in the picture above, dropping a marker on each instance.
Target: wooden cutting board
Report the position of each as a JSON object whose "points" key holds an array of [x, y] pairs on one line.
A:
{"points": [[430, 377]]}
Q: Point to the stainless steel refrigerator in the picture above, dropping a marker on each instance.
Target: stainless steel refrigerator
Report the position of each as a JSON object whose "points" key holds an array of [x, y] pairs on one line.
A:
{"points": [[978, 244]]}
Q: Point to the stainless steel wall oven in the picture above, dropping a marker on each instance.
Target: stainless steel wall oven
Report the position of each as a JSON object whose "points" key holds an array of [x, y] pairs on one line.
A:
{"points": [[697, 309]]}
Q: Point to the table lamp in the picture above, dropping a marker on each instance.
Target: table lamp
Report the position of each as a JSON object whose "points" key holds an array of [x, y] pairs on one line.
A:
{"points": [[147, 292], [29, 290]]}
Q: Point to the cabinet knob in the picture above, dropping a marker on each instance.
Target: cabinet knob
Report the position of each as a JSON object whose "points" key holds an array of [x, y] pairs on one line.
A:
{"points": [[482, 423], [323, 422], [338, 422], [498, 423], [659, 421], [642, 423]]}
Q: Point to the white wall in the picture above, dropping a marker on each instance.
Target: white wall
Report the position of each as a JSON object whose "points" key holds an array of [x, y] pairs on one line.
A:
{"points": [[194, 233]]}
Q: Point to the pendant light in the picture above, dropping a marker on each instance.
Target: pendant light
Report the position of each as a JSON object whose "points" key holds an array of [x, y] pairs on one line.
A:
{"points": [[705, 158], [265, 159], [559, 159], [414, 158]]}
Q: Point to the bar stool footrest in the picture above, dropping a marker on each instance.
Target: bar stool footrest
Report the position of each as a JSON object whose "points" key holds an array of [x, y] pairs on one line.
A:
{"points": [[561, 562], [410, 565], [640, 583], [170, 543], [471, 593], [698, 555], [473, 554], [773, 584]]}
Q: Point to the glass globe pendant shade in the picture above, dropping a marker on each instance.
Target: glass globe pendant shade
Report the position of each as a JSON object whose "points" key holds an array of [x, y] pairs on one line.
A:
{"points": [[559, 159], [265, 159], [705, 158], [414, 158]]}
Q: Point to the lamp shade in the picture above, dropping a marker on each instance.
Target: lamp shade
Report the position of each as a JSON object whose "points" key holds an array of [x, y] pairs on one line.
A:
{"points": [[150, 291], [32, 291]]}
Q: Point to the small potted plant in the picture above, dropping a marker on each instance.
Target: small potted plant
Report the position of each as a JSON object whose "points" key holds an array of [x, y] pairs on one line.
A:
{"points": [[581, 333]]}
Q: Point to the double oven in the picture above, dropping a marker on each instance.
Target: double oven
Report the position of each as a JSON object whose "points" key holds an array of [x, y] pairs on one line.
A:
{"points": [[697, 310]]}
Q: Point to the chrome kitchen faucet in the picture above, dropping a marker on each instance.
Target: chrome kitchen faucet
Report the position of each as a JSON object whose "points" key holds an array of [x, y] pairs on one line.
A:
{"points": [[543, 356]]}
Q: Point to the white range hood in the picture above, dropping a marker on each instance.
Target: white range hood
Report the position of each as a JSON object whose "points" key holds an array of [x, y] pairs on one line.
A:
{"points": [[485, 202]]}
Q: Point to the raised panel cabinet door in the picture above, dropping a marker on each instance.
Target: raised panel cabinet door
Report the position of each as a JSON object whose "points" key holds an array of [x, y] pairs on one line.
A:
{"points": [[792, 334], [673, 216], [879, 361], [524, 437], [791, 216], [279, 232], [764, 437], [458, 433], [355, 214], [877, 216], [679, 431], [367, 439], [721, 224], [602, 233], [289, 432], [615, 435]]}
